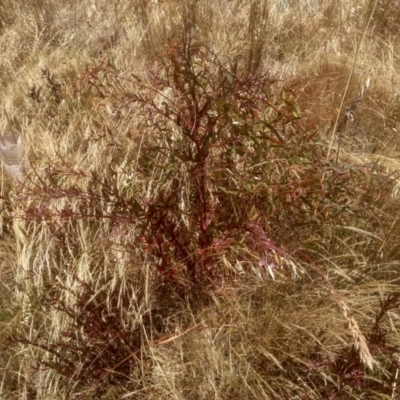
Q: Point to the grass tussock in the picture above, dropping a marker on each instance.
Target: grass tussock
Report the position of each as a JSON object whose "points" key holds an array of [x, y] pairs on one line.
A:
{"points": [[210, 208]]}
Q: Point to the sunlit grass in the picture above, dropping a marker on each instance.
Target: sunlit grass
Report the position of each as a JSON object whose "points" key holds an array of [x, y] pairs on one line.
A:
{"points": [[96, 301]]}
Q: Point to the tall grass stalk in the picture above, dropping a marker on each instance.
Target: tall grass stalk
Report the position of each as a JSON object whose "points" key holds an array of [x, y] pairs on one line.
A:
{"points": [[344, 94]]}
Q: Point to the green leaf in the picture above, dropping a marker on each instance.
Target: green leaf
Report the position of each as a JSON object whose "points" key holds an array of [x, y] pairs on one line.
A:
{"points": [[274, 131], [293, 108]]}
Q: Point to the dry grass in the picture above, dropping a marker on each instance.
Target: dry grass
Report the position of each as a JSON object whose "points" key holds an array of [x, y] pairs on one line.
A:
{"points": [[85, 310]]}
